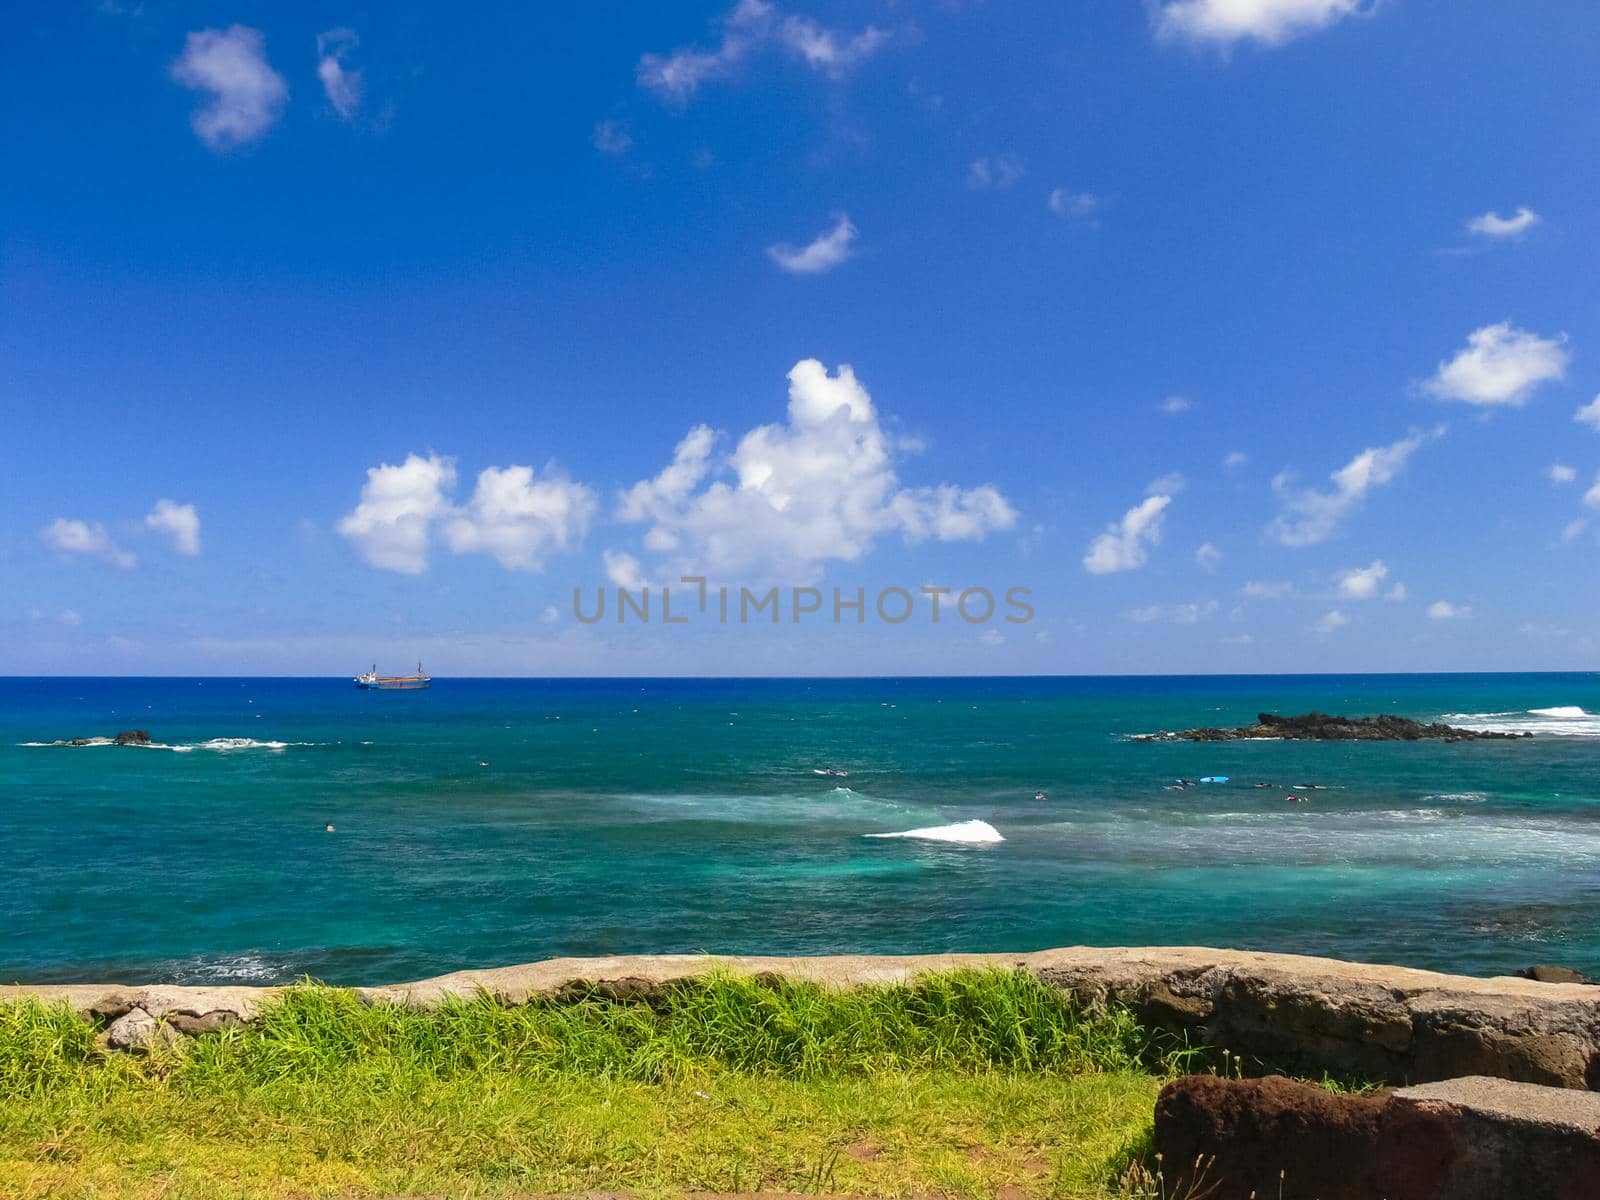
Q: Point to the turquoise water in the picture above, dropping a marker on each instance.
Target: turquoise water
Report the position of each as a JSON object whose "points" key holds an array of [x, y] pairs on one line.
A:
{"points": [[486, 822]]}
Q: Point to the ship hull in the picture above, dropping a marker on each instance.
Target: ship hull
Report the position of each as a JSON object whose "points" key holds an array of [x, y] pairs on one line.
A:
{"points": [[394, 685]]}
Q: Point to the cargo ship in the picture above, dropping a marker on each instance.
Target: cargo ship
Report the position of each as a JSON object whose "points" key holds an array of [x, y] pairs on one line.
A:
{"points": [[393, 683]]}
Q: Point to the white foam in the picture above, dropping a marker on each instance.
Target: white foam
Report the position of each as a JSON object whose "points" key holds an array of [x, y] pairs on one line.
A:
{"points": [[967, 833], [1561, 720], [221, 743]]}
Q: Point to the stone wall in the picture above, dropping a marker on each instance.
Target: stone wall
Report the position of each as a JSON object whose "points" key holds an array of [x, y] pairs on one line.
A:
{"points": [[1285, 1011]]}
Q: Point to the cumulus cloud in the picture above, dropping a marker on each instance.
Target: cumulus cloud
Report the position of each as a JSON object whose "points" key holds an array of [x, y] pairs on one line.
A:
{"points": [[1073, 206], [1208, 556], [820, 486], [1493, 225], [1178, 614], [823, 253], [827, 50], [1173, 405], [519, 519], [1573, 530], [1263, 589], [245, 95], [748, 27], [511, 516], [68, 536], [390, 526], [1592, 496], [340, 84], [1000, 171], [1269, 22], [1169, 484], [1589, 414], [1396, 593], [1500, 365], [179, 521], [1235, 458], [612, 137], [1125, 545], [1361, 583], [1331, 621], [1443, 610], [1310, 515]]}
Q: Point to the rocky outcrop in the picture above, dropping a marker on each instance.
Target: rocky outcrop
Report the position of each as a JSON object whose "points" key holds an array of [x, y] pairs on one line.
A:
{"points": [[1321, 727], [133, 737], [1279, 1011], [1466, 1139]]}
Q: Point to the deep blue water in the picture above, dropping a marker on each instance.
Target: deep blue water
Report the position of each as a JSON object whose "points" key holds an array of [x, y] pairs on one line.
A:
{"points": [[684, 815]]}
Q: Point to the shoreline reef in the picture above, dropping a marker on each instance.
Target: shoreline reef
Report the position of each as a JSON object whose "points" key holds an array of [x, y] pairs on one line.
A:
{"points": [[1323, 727]]}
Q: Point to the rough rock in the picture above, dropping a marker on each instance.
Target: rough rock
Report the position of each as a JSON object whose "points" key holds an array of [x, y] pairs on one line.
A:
{"points": [[1549, 974], [1281, 1011], [137, 1029], [133, 737], [1466, 1139], [1316, 726]]}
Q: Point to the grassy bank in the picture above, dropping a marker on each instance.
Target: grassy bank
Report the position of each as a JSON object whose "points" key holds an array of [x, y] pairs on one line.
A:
{"points": [[971, 1083]]}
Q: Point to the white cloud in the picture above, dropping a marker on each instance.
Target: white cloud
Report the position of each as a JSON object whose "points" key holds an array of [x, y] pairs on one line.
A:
{"points": [[1361, 583], [1235, 458], [612, 137], [823, 253], [1592, 496], [1573, 530], [550, 615], [992, 637], [69, 617], [1270, 22], [1443, 610], [1309, 516], [342, 87], [1500, 365], [1178, 614], [399, 504], [1073, 206], [1169, 484], [750, 25], [1331, 621], [1173, 405], [791, 496], [1258, 589], [245, 94], [518, 519], [1559, 473], [1396, 593], [1000, 171], [511, 516], [180, 521], [1493, 225], [827, 50], [625, 571], [69, 536], [1125, 545], [1208, 556], [1589, 414]]}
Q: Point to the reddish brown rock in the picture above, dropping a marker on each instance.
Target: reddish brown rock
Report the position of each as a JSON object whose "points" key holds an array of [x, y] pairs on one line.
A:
{"points": [[1463, 1139]]}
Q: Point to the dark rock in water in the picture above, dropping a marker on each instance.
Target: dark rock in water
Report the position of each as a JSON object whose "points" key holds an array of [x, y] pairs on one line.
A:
{"points": [[1548, 974], [133, 737], [1316, 726]]}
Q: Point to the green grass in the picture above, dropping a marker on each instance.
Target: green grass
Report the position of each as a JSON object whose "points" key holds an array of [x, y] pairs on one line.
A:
{"points": [[965, 1084]]}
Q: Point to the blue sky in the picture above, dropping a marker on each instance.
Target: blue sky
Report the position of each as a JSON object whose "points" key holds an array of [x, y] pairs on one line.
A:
{"points": [[1249, 335]]}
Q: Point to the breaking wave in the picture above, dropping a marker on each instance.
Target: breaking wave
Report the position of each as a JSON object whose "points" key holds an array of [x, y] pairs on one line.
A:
{"points": [[221, 743], [967, 833], [1562, 720]]}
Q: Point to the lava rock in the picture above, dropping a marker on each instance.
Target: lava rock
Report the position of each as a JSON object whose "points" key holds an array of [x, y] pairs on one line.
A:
{"points": [[1322, 727]]}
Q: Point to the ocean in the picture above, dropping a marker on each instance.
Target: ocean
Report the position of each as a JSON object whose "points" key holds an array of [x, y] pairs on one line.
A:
{"points": [[487, 822]]}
